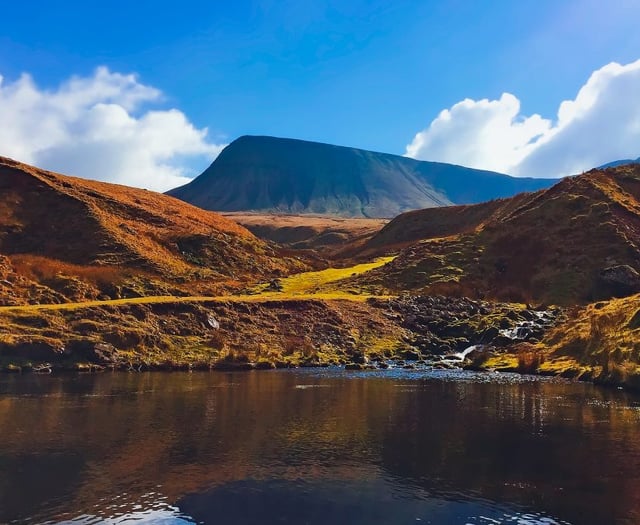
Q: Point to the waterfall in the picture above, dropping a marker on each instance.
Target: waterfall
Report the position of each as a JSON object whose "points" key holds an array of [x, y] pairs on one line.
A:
{"points": [[460, 356]]}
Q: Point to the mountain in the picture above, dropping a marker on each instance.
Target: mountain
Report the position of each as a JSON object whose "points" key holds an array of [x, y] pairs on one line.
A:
{"points": [[578, 241], [64, 238], [271, 174], [622, 162]]}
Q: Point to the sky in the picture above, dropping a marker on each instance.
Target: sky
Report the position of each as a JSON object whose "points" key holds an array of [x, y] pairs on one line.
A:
{"points": [[148, 93]]}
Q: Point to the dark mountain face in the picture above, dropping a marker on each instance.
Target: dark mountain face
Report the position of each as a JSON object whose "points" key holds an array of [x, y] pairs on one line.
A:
{"points": [[270, 174]]}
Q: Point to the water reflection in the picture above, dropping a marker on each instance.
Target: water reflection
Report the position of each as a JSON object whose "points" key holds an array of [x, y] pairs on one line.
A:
{"points": [[335, 501], [316, 447]]}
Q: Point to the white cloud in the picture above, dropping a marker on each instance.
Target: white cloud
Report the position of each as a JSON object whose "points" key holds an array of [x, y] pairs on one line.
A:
{"points": [[97, 127], [600, 125]]}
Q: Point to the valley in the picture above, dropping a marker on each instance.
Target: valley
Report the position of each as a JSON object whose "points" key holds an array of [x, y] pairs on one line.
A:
{"points": [[128, 279]]}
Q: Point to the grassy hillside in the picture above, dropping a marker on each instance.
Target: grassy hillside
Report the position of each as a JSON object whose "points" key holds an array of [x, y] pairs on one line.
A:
{"points": [[309, 232], [64, 238], [598, 342], [579, 241]]}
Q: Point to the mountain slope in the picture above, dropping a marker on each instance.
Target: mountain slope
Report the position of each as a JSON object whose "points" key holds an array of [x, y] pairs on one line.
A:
{"points": [[271, 174], [621, 162], [578, 241], [52, 225]]}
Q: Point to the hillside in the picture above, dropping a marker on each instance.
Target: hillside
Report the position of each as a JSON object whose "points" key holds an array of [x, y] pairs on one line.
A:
{"points": [[64, 238], [309, 232], [578, 241], [269, 174]]}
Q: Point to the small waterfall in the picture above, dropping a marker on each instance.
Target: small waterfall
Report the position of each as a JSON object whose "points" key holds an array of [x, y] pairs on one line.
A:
{"points": [[460, 356]]}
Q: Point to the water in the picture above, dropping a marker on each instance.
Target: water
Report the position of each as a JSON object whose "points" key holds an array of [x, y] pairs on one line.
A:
{"points": [[311, 447]]}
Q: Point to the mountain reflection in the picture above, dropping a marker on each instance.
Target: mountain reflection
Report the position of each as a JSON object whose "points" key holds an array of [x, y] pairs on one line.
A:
{"points": [[316, 447]]}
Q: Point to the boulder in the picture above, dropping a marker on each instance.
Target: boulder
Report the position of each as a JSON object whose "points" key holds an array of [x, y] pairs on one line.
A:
{"points": [[410, 355], [105, 353], [213, 322], [275, 285], [622, 279]]}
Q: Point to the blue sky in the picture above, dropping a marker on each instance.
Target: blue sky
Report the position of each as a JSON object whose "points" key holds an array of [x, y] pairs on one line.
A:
{"points": [[364, 74]]}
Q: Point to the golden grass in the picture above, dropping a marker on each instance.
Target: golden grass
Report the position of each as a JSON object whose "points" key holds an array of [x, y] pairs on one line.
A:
{"points": [[298, 287], [547, 247], [89, 223], [42, 268], [599, 342], [316, 283]]}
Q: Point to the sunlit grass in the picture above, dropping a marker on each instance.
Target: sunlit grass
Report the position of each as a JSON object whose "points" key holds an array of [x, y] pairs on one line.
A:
{"points": [[303, 286], [314, 282]]}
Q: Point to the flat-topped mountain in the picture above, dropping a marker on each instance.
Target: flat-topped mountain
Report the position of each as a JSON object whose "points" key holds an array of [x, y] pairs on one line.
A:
{"points": [[64, 238], [269, 174]]}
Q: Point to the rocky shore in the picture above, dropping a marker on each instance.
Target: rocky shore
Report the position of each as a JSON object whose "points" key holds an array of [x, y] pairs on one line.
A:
{"points": [[409, 331]]}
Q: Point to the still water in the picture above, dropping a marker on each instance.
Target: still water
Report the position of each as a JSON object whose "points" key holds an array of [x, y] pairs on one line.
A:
{"points": [[317, 446]]}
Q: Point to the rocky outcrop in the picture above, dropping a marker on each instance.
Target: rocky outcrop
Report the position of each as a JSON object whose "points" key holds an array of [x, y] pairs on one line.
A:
{"points": [[442, 325], [622, 279]]}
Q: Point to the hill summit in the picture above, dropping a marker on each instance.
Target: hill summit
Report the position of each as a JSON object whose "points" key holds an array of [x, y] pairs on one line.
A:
{"points": [[269, 174]]}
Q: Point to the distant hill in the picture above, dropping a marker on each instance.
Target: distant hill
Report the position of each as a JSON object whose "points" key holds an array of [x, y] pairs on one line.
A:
{"points": [[622, 162], [308, 232], [269, 174], [64, 238], [578, 241]]}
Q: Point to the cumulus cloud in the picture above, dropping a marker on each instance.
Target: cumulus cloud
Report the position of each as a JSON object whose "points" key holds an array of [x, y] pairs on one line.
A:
{"points": [[99, 127], [600, 125]]}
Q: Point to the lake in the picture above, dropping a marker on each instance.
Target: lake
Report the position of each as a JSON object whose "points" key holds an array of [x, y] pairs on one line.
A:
{"points": [[317, 446]]}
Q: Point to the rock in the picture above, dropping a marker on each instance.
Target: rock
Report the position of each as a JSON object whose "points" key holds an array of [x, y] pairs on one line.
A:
{"points": [[353, 366], [232, 365], [634, 322], [502, 340], [359, 358], [489, 334], [410, 355], [33, 350], [213, 322], [461, 343], [504, 323], [514, 316], [455, 330], [523, 332], [275, 285], [264, 365], [105, 353], [623, 279]]}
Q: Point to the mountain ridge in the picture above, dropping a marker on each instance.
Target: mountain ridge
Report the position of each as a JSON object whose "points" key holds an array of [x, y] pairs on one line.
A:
{"points": [[271, 174]]}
